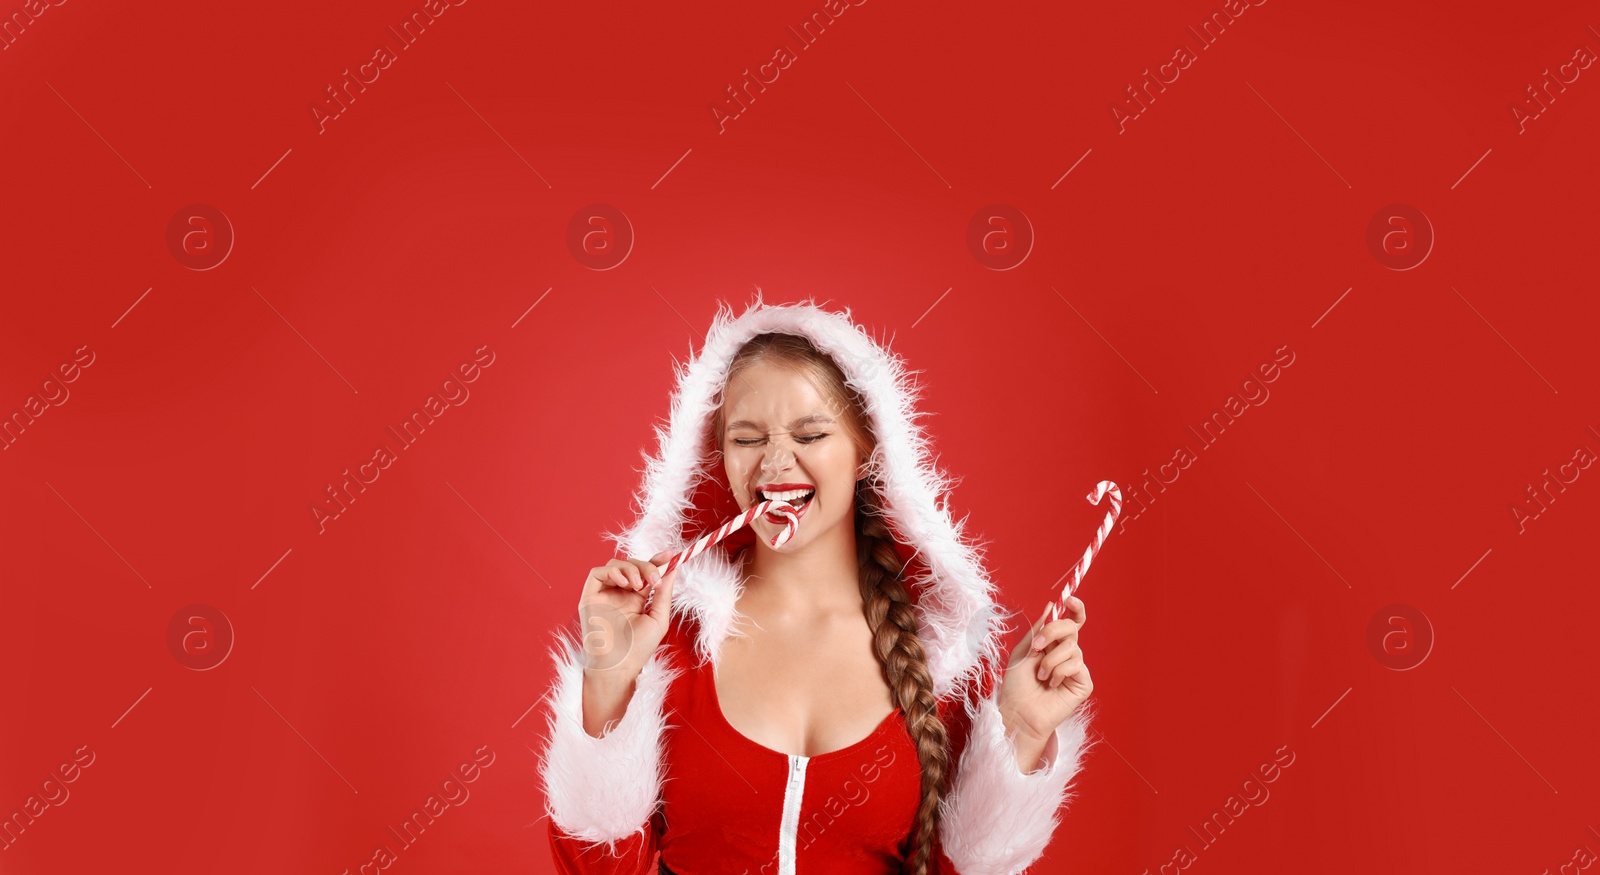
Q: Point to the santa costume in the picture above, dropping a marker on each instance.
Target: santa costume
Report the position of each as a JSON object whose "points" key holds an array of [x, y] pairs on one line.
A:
{"points": [[673, 784]]}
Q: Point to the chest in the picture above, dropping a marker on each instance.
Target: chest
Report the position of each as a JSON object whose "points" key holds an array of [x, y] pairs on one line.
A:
{"points": [[803, 692]]}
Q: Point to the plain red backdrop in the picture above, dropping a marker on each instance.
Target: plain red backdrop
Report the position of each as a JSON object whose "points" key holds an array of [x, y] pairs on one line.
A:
{"points": [[1246, 612]]}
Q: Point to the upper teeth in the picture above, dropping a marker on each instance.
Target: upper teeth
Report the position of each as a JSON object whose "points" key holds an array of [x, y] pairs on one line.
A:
{"points": [[786, 495]]}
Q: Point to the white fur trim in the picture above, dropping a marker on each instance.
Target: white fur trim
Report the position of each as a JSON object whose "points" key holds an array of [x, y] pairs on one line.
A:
{"points": [[996, 820], [959, 621], [604, 789]]}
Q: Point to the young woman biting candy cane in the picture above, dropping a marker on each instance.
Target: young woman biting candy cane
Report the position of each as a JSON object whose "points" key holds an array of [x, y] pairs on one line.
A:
{"points": [[826, 687]]}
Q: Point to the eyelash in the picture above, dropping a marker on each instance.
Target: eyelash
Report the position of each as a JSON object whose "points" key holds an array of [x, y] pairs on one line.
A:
{"points": [[808, 439]]}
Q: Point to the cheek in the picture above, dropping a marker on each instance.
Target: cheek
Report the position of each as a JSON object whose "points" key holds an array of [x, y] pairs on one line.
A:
{"points": [[738, 472], [839, 462]]}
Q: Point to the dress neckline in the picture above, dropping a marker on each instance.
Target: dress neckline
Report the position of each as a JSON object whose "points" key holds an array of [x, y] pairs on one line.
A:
{"points": [[883, 726]]}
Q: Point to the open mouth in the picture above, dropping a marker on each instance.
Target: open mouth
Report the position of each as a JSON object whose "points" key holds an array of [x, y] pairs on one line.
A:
{"points": [[797, 498]]}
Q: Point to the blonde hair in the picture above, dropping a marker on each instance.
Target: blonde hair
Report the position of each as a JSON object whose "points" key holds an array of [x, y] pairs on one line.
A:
{"points": [[885, 600]]}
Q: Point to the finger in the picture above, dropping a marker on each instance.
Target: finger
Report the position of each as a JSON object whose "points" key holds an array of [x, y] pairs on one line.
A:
{"points": [[619, 578], [661, 606], [1062, 623], [1026, 647], [660, 560], [1085, 680], [1065, 671], [651, 574], [1076, 611], [1056, 633], [1050, 661]]}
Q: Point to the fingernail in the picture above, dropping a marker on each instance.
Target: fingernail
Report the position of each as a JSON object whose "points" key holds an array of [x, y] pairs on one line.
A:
{"points": [[1038, 642], [1042, 674]]}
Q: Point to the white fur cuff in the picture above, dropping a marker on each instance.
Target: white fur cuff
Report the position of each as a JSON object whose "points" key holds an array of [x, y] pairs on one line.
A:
{"points": [[996, 820], [602, 790]]}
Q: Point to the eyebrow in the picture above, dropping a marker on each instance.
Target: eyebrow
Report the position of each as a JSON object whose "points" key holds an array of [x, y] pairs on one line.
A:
{"points": [[812, 417]]}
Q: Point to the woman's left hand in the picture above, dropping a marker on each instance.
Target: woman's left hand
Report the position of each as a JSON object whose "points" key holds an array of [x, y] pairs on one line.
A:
{"points": [[1044, 684]]}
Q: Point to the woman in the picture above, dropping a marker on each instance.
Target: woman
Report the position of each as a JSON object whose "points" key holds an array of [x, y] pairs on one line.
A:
{"points": [[827, 705]]}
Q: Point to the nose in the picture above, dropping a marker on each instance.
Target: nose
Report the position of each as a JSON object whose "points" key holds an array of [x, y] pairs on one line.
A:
{"points": [[776, 460]]}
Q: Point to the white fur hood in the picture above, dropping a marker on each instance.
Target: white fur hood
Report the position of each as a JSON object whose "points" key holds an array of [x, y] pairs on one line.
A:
{"points": [[685, 494]]}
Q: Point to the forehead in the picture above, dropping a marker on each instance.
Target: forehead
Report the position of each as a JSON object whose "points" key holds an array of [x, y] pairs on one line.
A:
{"points": [[772, 395]]}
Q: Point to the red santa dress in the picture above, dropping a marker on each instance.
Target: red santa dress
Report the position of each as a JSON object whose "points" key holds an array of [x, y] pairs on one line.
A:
{"points": [[673, 785]]}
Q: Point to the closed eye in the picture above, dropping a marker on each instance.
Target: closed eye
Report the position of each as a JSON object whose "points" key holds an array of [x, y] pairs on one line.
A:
{"points": [[805, 439]]}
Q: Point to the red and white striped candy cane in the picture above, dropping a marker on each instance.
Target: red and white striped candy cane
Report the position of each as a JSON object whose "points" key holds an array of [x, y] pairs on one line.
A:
{"points": [[791, 523], [1058, 606]]}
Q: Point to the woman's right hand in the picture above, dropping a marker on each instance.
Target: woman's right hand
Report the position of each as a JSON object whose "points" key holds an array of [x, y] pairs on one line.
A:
{"points": [[619, 635]]}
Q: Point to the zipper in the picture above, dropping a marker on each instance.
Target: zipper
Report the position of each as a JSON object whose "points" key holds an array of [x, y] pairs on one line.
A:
{"points": [[793, 792]]}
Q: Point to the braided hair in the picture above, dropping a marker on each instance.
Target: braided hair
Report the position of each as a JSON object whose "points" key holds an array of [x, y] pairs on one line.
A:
{"points": [[905, 667]]}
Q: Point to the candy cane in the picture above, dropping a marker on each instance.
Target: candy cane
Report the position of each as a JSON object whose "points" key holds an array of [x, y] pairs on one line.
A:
{"points": [[791, 523], [1058, 606]]}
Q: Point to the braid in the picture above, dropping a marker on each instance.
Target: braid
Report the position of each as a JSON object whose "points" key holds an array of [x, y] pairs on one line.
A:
{"points": [[905, 667]]}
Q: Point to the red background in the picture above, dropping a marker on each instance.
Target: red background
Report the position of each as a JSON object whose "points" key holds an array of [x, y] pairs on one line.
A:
{"points": [[1227, 220]]}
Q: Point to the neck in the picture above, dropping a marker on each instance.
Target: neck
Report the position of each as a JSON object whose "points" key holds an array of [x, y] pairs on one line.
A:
{"points": [[820, 579]]}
